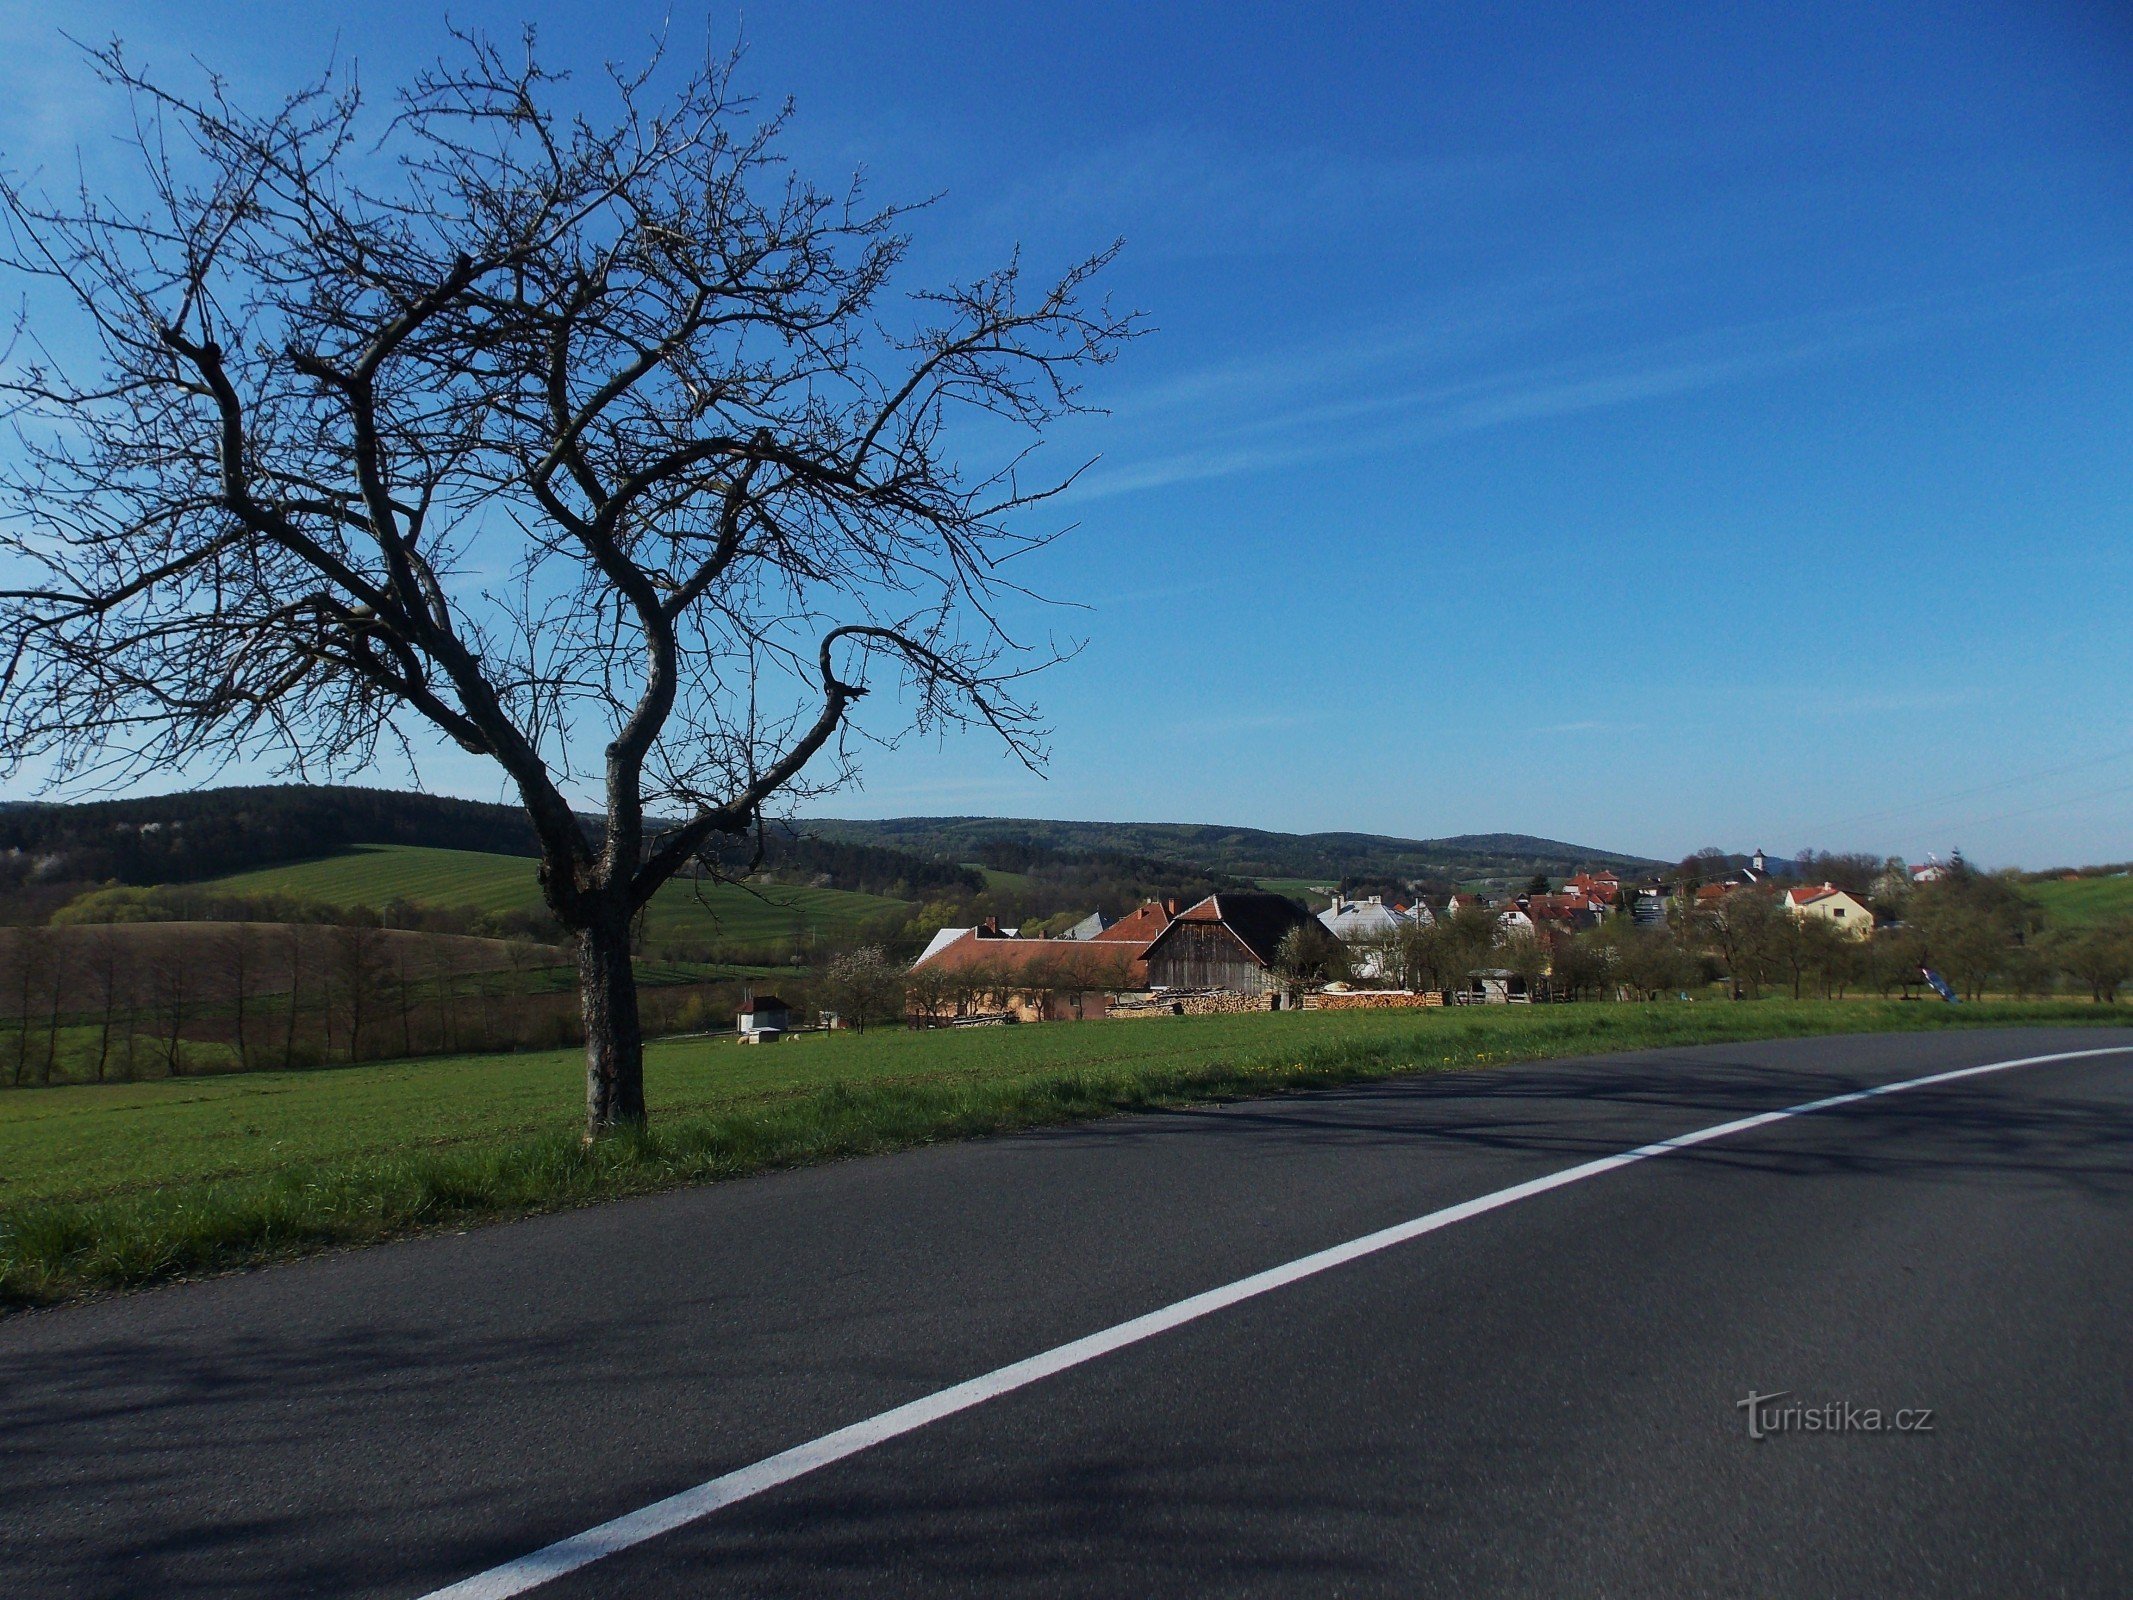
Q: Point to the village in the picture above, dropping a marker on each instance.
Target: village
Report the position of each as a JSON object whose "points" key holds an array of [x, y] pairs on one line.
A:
{"points": [[1255, 950]]}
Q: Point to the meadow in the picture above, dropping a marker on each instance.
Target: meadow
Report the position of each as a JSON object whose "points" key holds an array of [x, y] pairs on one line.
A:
{"points": [[114, 1186], [2083, 902], [681, 912]]}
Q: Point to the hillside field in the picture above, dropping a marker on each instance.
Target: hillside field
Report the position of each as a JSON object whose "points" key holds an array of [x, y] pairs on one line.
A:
{"points": [[1304, 891], [371, 874], [2083, 902]]}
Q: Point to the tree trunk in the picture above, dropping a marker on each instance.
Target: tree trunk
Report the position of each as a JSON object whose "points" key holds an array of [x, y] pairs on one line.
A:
{"points": [[614, 1035], [296, 981]]}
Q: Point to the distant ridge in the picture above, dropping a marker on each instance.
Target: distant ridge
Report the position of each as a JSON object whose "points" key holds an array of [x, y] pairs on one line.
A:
{"points": [[1241, 852], [208, 833]]}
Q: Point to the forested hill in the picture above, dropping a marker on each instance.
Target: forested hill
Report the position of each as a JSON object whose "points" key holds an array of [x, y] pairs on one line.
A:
{"points": [[1240, 852], [210, 833], [183, 838], [207, 833]]}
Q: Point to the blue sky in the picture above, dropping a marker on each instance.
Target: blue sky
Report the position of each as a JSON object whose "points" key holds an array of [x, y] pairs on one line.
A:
{"points": [[1707, 426]]}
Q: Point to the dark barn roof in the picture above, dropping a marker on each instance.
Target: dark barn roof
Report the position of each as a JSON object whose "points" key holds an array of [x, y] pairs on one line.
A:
{"points": [[1255, 919]]}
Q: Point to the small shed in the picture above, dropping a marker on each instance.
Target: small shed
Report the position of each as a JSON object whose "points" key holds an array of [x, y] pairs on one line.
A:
{"points": [[1495, 986], [762, 1014]]}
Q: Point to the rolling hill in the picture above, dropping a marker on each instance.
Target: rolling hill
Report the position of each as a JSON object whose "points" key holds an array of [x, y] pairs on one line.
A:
{"points": [[1242, 852], [371, 874]]}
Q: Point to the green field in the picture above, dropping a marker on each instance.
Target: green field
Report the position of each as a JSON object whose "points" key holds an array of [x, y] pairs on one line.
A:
{"points": [[371, 874], [112, 1186], [998, 882], [1310, 891], [2083, 902]]}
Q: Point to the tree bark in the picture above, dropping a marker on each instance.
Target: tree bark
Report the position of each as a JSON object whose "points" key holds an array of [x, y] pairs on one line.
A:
{"points": [[614, 1034]]}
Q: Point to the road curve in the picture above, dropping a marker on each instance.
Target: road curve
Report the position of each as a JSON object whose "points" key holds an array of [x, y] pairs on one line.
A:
{"points": [[1538, 1398]]}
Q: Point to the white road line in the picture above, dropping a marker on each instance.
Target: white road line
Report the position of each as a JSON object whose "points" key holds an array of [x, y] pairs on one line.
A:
{"points": [[664, 1516]]}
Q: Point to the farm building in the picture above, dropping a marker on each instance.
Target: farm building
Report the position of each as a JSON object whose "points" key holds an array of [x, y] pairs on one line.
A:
{"points": [[1497, 986], [944, 937], [1032, 980], [1227, 941], [762, 1014], [1140, 926]]}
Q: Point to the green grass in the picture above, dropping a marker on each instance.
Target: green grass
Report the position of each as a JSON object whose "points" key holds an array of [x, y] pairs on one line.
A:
{"points": [[116, 1186], [1311, 891], [371, 874], [2083, 902]]}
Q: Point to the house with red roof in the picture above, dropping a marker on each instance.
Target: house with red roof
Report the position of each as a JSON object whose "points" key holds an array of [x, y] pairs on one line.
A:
{"points": [[1031, 980]]}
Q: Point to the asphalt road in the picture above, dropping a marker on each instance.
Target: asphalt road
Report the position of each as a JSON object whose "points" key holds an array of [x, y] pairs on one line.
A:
{"points": [[1539, 1400]]}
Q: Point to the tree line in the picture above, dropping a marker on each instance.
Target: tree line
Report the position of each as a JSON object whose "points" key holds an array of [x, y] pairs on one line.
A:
{"points": [[117, 1002]]}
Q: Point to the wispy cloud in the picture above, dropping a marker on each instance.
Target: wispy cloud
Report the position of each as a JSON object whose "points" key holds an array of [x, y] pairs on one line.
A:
{"points": [[1470, 368], [1184, 193]]}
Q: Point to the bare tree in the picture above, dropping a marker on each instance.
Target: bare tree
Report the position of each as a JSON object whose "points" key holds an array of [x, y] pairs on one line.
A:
{"points": [[359, 963], [1308, 958], [444, 993], [928, 991], [966, 988], [108, 962], [403, 986], [355, 370], [59, 984], [294, 933], [171, 994], [28, 976], [236, 950]]}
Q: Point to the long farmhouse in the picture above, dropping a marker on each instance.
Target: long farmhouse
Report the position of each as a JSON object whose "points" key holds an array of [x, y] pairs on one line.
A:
{"points": [[1226, 943]]}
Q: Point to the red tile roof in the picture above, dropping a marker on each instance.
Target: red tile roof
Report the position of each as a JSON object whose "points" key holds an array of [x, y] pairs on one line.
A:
{"points": [[1807, 897], [1139, 926], [1097, 964]]}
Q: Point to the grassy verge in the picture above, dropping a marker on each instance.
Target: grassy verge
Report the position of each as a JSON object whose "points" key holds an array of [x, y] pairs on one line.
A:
{"points": [[114, 1187]]}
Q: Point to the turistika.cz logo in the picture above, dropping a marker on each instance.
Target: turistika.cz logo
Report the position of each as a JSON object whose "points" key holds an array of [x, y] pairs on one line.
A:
{"points": [[1766, 1417]]}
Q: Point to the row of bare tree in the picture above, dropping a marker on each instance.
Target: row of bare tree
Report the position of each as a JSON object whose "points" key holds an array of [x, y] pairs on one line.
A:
{"points": [[131, 1000]]}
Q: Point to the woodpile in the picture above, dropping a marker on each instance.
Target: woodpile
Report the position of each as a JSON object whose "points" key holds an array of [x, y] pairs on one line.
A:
{"points": [[1374, 1000]]}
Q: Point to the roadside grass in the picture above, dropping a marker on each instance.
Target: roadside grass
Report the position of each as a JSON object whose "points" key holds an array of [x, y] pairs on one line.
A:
{"points": [[118, 1186], [371, 874]]}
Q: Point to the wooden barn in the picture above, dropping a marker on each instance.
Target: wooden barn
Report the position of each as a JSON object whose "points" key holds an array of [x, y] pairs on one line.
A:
{"points": [[1227, 941]]}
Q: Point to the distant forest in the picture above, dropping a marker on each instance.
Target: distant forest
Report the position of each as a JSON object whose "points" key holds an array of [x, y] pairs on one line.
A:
{"points": [[185, 838], [1243, 853]]}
